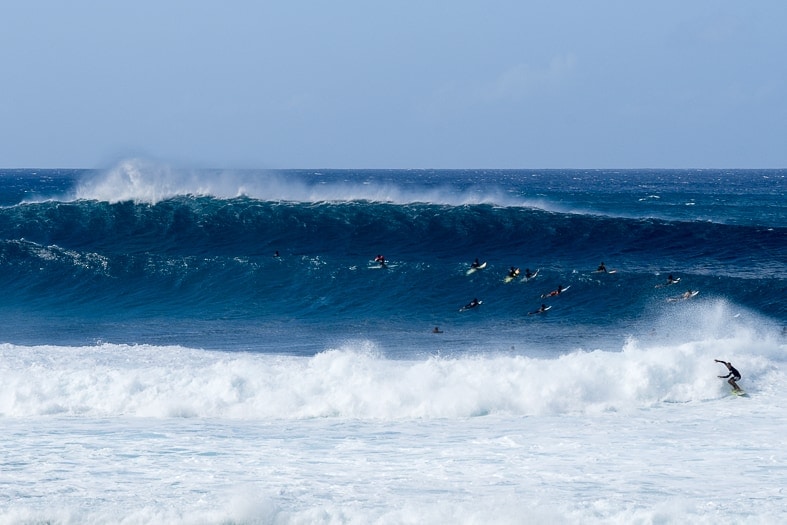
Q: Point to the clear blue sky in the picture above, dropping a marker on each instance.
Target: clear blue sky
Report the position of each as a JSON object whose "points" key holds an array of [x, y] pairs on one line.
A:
{"points": [[394, 84]]}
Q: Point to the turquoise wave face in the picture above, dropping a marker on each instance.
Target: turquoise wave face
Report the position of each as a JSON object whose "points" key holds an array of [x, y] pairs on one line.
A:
{"points": [[203, 257]]}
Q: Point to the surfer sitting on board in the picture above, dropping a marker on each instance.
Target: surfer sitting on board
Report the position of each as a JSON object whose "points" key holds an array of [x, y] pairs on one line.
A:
{"points": [[736, 376], [513, 272], [528, 273], [476, 264], [601, 267], [380, 259]]}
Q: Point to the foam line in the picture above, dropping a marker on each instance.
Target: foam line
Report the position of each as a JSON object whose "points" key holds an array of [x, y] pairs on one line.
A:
{"points": [[357, 381]]}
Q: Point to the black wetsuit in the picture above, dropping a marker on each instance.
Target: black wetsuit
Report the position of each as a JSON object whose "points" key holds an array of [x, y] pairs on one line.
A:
{"points": [[734, 373]]}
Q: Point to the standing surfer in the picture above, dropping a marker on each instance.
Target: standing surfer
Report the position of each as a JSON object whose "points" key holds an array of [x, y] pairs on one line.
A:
{"points": [[733, 374]]}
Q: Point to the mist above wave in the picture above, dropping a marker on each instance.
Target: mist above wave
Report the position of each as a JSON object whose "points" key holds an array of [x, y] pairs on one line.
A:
{"points": [[146, 182]]}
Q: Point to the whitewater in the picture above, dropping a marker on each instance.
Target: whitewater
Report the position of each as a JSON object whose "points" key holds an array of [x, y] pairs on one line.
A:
{"points": [[160, 363]]}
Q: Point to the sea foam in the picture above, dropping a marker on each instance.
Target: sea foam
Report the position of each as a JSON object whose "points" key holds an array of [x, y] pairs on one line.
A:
{"points": [[357, 380]]}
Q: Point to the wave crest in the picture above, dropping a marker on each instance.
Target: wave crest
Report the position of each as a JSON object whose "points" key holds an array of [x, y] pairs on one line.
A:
{"points": [[143, 181]]}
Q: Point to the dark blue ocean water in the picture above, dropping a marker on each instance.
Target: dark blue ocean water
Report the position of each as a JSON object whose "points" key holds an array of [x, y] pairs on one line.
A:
{"points": [[149, 254]]}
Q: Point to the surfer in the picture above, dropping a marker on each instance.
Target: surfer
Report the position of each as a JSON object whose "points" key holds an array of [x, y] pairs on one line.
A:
{"points": [[555, 292], [513, 272], [476, 263], [688, 294], [472, 304], [276, 253], [437, 330], [733, 374], [602, 267], [670, 281], [380, 259], [528, 273], [541, 310]]}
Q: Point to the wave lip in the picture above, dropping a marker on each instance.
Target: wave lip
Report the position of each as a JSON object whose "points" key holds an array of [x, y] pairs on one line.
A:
{"points": [[146, 182]]}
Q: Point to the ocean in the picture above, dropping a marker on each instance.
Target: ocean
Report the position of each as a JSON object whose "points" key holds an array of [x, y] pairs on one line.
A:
{"points": [[219, 346]]}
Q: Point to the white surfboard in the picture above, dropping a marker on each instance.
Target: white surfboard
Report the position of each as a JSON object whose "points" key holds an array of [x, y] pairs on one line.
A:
{"points": [[535, 274], [474, 269], [687, 295]]}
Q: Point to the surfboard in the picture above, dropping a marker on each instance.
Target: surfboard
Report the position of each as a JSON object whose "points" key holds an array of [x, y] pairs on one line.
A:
{"points": [[474, 269], [470, 306], [526, 279], [554, 293], [739, 393], [540, 311], [683, 297]]}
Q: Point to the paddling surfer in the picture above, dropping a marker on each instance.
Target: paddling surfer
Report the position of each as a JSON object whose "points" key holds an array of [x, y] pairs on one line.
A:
{"points": [[472, 304], [553, 293]]}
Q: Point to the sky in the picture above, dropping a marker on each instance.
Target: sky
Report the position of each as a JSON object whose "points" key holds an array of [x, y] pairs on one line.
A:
{"points": [[394, 84]]}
